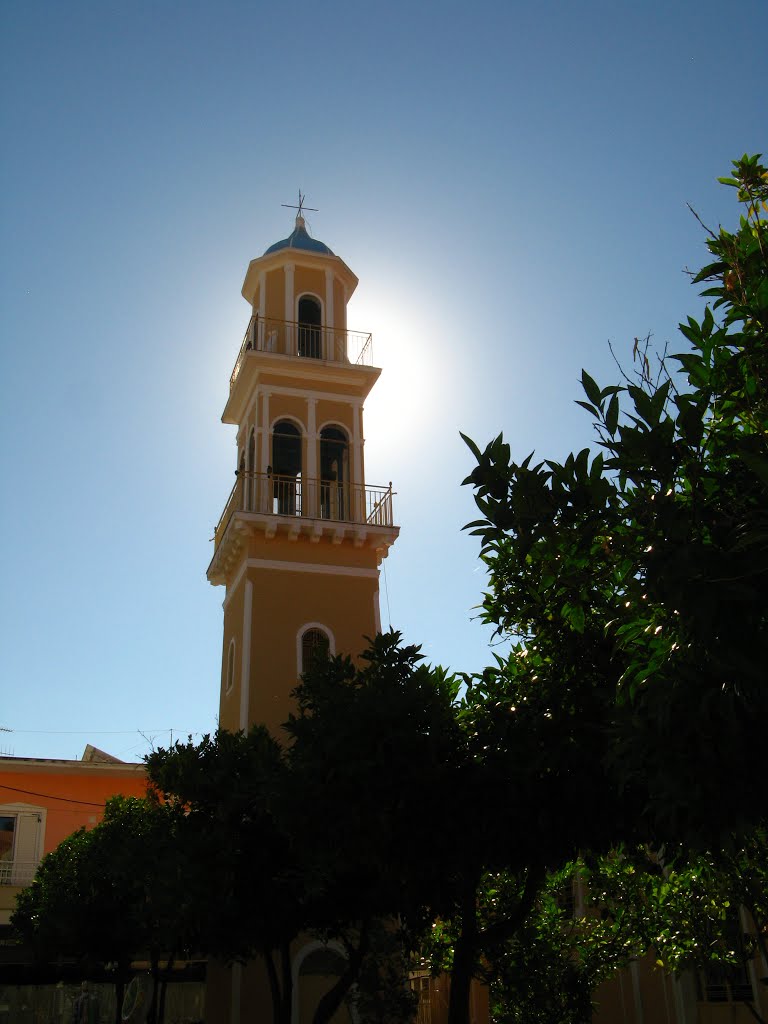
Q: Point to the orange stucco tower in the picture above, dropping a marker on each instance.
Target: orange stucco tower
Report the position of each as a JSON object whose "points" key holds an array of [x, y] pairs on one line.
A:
{"points": [[302, 534]]}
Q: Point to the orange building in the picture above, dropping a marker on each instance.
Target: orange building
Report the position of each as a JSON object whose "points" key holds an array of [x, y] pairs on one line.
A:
{"points": [[42, 801]]}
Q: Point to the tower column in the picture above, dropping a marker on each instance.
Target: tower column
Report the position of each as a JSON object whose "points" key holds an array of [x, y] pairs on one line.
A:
{"points": [[245, 674], [357, 461], [290, 346], [329, 345], [262, 310], [312, 472], [265, 484]]}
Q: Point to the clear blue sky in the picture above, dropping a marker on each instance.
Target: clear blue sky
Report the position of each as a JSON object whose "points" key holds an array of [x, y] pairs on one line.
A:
{"points": [[508, 180]]}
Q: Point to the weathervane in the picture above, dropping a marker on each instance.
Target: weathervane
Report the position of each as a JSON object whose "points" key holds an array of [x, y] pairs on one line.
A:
{"points": [[301, 207]]}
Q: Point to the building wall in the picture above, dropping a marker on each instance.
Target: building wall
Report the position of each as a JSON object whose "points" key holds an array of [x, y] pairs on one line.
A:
{"points": [[645, 994], [51, 799]]}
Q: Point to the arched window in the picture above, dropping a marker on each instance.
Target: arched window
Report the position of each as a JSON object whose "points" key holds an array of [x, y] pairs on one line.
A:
{"points": [[231, 665], [310, 323], [286, 468], [334, 474], [315, 644]]}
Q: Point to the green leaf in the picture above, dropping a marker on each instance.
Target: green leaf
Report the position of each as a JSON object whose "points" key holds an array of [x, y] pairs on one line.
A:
{"points": [[757, 463], [591, 390], [612, 416], [591, 409], [471, 445]]}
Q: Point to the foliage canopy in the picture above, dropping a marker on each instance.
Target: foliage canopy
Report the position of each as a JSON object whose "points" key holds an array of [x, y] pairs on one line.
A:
{"points": [[645, 566]]}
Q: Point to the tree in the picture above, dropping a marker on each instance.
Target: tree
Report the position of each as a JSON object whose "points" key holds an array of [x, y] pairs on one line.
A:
{"points": [[231, 790], [373, 745], [123, 888], [633, 586], [646, 565], [442, 804], [298, 849], [688, 911]]}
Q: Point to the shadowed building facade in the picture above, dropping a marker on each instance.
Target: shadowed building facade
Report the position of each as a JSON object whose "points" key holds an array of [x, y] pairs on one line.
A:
{"points": [[302, 535], [299, 544]]}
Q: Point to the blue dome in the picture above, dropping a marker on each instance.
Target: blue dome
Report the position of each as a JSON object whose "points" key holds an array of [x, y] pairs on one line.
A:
{"points": [[299, 239]]}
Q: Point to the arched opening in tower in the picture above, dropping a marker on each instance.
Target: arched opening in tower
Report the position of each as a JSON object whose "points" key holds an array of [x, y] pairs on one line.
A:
{"points": [[334, 474], [286, 468], [310, 322]]}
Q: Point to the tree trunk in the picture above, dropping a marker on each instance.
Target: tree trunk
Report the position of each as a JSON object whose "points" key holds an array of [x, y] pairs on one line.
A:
{"points": [[154, 966], [286, 1002], [464, 955], [119, 993], [164, 990], [471, 941], [274, 986], [280, 985]]}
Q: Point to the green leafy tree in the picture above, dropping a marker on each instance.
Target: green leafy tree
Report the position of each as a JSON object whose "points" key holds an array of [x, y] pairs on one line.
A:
{"points": [[546, 973], [645, 566], [291, 856], [371, 746], [432, 794], [231, 789], [633, 585], [688, 911], [119, 890]]}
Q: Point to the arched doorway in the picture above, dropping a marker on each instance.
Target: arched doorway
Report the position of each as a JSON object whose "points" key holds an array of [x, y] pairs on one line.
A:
{"points": [[310, 323], [334, 473], [318, 969], [286, 468]]}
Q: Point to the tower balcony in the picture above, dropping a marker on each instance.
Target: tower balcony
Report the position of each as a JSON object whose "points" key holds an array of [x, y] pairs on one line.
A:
{"points": [[303, 341], [294, 507]]}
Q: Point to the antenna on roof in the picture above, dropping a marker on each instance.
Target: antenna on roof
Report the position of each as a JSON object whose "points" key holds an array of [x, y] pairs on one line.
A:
{"points": [[301, 207]]}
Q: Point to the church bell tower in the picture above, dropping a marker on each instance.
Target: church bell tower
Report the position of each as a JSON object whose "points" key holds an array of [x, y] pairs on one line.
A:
{"points": [[302, 534]]}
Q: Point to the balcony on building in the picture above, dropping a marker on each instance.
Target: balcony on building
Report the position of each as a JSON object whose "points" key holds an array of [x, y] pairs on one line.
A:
{"points": [[292, 506], [18, 872], [276, 347]]}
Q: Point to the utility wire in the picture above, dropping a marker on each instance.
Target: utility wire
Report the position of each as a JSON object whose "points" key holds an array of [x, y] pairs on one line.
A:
{"points": [[101, 732], [50, 796]]}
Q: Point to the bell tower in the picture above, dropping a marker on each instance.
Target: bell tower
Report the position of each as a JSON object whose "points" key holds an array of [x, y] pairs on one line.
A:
{"points": [[302, 534]]}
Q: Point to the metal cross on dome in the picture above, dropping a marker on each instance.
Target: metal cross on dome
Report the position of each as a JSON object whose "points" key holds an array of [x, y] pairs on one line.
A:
{"points": [[301, 207]]}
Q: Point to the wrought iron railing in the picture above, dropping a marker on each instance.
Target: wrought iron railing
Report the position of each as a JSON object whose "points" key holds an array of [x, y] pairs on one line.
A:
{"points": [[17, 872], [269, 494], [305, 341]]}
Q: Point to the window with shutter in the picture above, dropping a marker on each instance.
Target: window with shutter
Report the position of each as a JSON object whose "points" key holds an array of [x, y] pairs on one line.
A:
{"points": [[21, 841]]}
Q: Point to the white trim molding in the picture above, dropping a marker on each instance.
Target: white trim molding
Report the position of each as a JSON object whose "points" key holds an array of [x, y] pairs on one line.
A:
{"points": [[310, 295], [229, 675], [287, 418], [232, 589], [322, 567], [245, 657]]}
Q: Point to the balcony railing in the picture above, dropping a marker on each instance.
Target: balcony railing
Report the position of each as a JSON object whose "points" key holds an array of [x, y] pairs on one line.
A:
{"points": [[305, 341], [268, 494], [17, 872]]}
